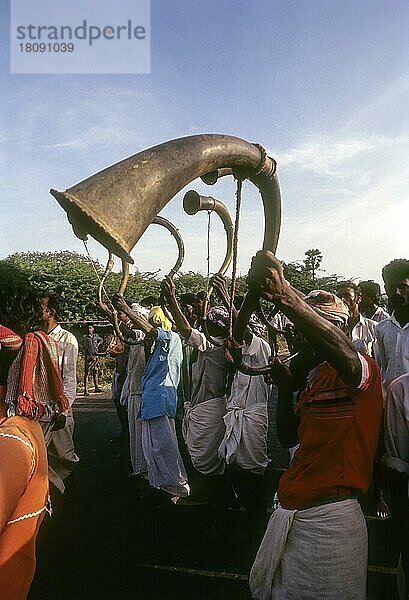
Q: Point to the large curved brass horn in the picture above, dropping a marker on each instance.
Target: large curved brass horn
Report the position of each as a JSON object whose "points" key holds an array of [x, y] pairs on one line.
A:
{"points": [[140, 186], [192, 204]]}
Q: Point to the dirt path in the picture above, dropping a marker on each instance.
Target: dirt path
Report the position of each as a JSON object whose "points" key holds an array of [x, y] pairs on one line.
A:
{"points": [[105, 542]]}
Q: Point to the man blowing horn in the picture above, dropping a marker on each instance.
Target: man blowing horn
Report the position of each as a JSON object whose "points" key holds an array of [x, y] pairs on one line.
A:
{"points": [[315, 544]]}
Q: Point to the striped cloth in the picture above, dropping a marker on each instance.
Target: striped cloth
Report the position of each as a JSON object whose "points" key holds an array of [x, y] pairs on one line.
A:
{"points": [[34, 386]]}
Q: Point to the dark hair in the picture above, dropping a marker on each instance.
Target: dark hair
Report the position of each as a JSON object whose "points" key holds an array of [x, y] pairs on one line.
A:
{"points": [[20, 308], [371, 289], [396, 270], [149, 300], [187, 298], [348, 284], [54, 303]]}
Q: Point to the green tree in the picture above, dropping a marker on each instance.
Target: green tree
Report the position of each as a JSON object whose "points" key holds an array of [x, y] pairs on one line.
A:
{"points": [[190, 282], [74, 279], [302, 278], [68, 274], [312, 261]]}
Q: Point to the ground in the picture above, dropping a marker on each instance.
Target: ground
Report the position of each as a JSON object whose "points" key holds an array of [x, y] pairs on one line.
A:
{"points": [[106, 542]]}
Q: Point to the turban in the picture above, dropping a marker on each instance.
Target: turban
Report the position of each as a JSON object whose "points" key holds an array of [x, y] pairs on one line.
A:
{"points": [[158, 319], [329, 306], [219, 316]]}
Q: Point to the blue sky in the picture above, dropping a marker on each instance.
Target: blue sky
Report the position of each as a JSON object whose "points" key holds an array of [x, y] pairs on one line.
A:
{"points": [[323, 85]]}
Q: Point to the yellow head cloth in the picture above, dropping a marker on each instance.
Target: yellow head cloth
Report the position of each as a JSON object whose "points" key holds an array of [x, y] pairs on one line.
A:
{"points": [[157, 318]]}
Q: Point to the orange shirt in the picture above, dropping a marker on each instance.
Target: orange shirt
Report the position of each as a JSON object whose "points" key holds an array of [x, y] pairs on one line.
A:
{"points": [[23, 495], [338, 435]]}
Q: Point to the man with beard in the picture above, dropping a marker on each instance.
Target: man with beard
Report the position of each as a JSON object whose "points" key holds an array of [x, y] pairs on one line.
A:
{"points": [[392, 354], [392, 335]]}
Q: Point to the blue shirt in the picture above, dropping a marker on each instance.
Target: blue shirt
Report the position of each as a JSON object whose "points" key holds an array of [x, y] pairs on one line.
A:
{"points": [[161, 377]]}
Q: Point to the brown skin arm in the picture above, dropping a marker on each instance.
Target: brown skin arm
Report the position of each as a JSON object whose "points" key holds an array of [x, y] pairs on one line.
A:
{"points": [[106, 310], [329, 342], [169, 291], [127, 331], [219, 283], [139, 322]]}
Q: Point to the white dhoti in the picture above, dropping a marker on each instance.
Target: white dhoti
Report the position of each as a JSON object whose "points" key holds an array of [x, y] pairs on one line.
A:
{"points": [[245, 439], [62, 458], [160, 447], [316, 553], [203, 431], [135, 434]]}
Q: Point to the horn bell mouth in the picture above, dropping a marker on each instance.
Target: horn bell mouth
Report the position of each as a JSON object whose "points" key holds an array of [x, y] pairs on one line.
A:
{"points": [[191, 202], [85, 221]]}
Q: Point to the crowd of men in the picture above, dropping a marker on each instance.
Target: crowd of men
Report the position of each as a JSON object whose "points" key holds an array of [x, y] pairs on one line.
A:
{"points": [[198, 429]]}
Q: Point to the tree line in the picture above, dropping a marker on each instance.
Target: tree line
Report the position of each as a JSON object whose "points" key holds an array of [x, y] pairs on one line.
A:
{"points": [[72, 277]]}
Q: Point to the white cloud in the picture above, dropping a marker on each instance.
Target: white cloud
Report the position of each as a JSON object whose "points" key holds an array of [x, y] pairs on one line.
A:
{"points": [[350, 198], [323, 155]]}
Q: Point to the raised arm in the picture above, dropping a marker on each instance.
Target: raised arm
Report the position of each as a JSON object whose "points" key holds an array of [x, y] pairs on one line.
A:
{"points": [[182, 324], [137, 320], [220, 285], [328, 341], [124, 326], [218, 281]]}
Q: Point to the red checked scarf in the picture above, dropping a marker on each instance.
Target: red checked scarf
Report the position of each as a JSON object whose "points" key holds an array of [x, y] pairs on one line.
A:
{"points": [[34, 386]]}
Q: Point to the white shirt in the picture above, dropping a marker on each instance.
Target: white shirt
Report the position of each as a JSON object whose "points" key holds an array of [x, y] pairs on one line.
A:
{"points": [[280, 320], [209, 370], [392, 350], [397, 425], [380, 315], [248, 390], [68, 354], [363, 335]]}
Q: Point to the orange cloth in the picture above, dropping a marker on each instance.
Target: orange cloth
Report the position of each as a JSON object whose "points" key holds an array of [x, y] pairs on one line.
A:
{"points": [[338, 435], [22, 451]]}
